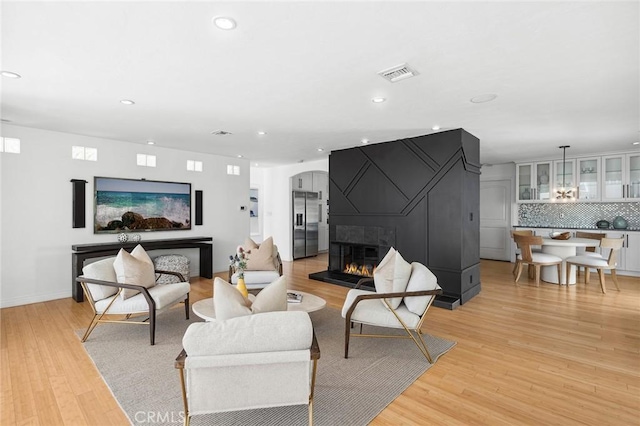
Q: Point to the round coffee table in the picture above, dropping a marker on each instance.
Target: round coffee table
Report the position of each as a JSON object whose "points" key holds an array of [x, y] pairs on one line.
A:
{"points": [[310, 303]]}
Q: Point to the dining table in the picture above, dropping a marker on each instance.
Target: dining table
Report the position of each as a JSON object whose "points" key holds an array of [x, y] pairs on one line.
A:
{"points": [[563, 249]]}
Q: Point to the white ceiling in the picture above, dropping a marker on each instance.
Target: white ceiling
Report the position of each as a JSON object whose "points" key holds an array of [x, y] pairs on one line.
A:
{"points": [[566, 73]]}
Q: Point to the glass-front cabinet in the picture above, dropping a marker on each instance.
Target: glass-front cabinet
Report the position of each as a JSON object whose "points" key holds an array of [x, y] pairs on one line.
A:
{"points": [[588, 172], [564, 177], [533, 181], [621, 177], [633, 190], [607, 178]]}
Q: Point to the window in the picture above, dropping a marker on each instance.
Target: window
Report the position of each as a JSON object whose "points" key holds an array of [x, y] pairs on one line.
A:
{"points": [[194, 166], [10, 145], [146, 160], [84, 153], [233, 170]]}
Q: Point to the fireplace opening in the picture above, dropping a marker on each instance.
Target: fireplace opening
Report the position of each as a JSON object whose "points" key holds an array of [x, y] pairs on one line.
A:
{"points": [[356, 259]]}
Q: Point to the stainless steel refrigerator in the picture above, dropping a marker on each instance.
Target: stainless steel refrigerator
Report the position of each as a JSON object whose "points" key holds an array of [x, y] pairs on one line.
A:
{"points": [[305, 224]]}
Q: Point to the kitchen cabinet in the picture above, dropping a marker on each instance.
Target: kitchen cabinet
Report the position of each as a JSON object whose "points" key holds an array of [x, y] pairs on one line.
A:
{"points": [[632, 251], [321, 186], [588, 179], [629, 256], [621, 177], [533, 181], [303, 182]]}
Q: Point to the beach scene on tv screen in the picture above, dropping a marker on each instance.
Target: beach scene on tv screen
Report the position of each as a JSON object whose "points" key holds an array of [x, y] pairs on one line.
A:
{"points": [[141, 205]]}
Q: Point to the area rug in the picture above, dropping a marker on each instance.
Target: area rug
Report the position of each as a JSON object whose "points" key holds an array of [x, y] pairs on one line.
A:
{"points": [[348, 391]]}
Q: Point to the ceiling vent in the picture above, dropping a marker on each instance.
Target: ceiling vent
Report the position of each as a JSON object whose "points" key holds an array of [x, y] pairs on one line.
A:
{"points": [[397, 73], [220, 133]]}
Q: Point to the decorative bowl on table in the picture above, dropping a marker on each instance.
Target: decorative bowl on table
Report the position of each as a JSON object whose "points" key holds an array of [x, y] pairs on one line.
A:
{"points": [[560, 235]]}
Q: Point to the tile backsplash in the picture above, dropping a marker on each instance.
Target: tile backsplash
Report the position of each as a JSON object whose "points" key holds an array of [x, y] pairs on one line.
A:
{"points": [[577, 215]]}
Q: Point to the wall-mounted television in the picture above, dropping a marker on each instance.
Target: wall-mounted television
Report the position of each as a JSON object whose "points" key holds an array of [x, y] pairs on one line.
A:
{"points": [[122, 205]]}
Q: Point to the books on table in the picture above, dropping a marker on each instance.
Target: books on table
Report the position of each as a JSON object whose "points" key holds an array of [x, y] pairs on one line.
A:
{"points": [[294, 297]]}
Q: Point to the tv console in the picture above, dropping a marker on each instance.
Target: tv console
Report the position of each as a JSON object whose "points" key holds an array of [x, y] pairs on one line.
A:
{"points": [[82, 252]]}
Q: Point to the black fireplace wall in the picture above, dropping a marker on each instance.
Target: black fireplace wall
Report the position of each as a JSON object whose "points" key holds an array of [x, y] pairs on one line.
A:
{"points": [[426, 191]]}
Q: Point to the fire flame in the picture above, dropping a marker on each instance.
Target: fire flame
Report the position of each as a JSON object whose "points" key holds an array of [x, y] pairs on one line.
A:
{"points": [[355, 269]]}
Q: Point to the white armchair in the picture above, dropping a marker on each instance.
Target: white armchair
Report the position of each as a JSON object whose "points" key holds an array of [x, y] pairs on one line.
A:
{"points": [[405, 308], [254, 361], [263, 267], [110, 303]]}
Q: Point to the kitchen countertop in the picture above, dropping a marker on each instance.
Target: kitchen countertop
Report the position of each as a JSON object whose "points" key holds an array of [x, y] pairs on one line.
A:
{"points": [[592, 228]]}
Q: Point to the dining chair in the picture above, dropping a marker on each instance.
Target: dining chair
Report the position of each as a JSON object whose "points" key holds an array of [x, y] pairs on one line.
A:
{"points": [[599, 263], [533, 249], [534, 258], [588, 251]]}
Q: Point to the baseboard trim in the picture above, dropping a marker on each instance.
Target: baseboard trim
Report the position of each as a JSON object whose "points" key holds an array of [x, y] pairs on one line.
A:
{"points": [[27, 300]]}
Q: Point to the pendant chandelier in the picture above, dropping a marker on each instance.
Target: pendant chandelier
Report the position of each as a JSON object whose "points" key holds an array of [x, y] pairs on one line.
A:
{"points": [[564, 193]]}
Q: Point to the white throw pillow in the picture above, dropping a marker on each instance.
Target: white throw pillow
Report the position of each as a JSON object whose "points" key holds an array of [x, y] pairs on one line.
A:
{"points": [[135, 268], [421, 279], [101, 270], [271, 298], [229, 303], [391, 276]]}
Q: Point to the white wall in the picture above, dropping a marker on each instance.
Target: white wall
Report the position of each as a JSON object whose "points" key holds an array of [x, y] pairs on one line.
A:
{"points": [[36, 233], [277, 202]]}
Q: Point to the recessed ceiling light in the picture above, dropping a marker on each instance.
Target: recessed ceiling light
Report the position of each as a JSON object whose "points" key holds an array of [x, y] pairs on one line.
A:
{"points": [[635, 143], [365, 141], [10, 74], [151, 143], [262, 133], [224, 22], [256, 164], [484, 98], [127, 102], [435, 128], [239, 155], [378, 100], [320, 149]]}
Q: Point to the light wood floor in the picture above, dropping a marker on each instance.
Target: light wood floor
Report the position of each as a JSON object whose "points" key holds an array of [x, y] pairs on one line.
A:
{"points": [[525, 355]]}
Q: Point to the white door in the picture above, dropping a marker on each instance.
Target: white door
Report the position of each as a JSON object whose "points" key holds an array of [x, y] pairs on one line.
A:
{"points": [[495, 215]]}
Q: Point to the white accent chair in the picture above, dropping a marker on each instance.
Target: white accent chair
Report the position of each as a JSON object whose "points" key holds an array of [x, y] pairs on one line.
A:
{"points": [[248, 362], [259, 279], [100, 286], [599, 263], [365, 307]]}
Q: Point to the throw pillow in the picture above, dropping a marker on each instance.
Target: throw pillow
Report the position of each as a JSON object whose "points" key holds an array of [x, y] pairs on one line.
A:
{"points": [[134, 268], [271, 298], [391, 276], [249, 244], [229, 303], [421, 279], [261, 258]]}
